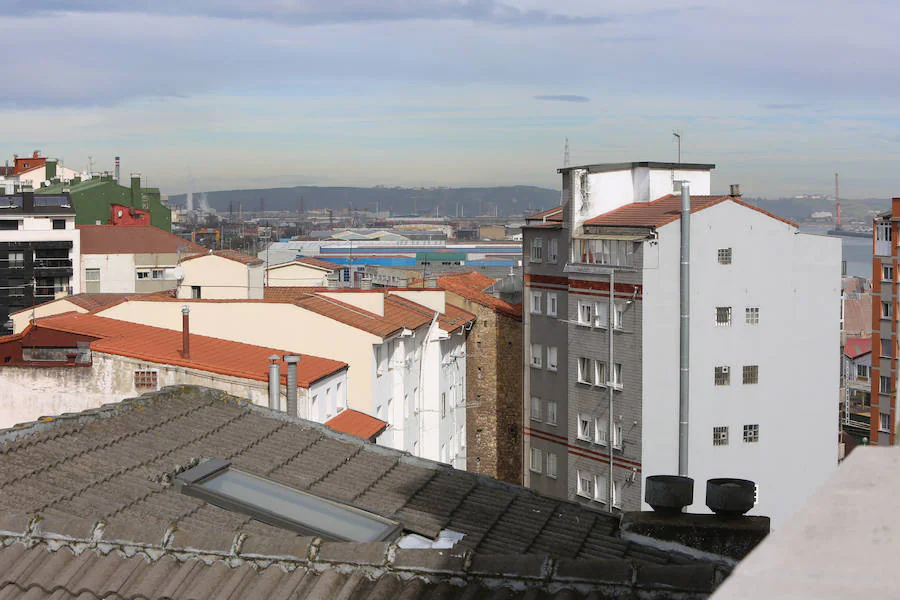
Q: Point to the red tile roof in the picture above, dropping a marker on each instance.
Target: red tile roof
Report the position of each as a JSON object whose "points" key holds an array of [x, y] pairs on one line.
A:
{"points": [[95, 302], [855, 347], [132, 239], [357, 423], [552, 214], [858, 315], [234, 255], [665, 210], [471, 286], [316, 262], [154, 344]]}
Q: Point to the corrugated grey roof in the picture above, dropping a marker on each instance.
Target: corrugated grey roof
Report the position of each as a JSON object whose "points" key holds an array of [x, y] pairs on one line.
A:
{"points": [[102, 479]]}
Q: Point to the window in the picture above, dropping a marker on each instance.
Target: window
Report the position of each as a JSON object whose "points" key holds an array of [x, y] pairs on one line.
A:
{"points": [[601, 483], [145, 380], [720, 436], [552, 353], [535, 303], [554, 251], [552, 304], [195, 291], [59, 223], [883, 232], [724, 256], [862, 371], [535, 408], [537, 460], [606, 252], [585, 312], [617, 494], [585, 368], [751, 434], [537, 249], [600, 376], [887, 273], [619, 320], [723, 316], [617, 375], [15, 260], [751, 374], [886, 310], [617, 437], [884, 422], [585, 485], [885, 386], [281, 505], [9, 225], [551, 465], [601, 314], [156, 274], [751, 315], [92, 275], [601, 431], [536, 356], [584, 428], [551, 412], [723, 376], [143, 274]]}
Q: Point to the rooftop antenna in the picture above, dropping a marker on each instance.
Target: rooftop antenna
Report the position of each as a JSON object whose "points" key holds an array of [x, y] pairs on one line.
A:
{"points": [[566, 154], [676, 133]]}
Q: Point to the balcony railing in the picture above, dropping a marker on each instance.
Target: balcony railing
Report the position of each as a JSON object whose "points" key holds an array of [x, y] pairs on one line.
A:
{"points": [[52, 263]]}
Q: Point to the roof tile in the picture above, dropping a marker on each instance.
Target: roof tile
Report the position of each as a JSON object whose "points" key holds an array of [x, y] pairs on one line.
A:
{"points": [[666, 209], [234, 255], [132, 239]]}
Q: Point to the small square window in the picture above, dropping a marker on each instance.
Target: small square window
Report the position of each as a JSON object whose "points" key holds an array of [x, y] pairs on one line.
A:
{"points": [[751, 434], [537, 460], [195, 292], [92, 275], [724, 256], [720, 436], [751, 315], [723, 316], [156, 274], [145, 380], [723, 376], [143, 274], [751, 374], [59, 223]]}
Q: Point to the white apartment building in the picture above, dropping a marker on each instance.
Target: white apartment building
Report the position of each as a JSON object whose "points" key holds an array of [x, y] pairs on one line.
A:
{"points": [[39, 251], [405, 349], [764, 339]]}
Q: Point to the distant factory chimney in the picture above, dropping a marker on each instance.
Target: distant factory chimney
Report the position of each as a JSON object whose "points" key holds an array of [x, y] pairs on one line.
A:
{"points": [[735, 190], [117, 169]]}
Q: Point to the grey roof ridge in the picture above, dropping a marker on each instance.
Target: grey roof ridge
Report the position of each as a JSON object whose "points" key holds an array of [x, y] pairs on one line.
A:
{"points": [[375, 559]]}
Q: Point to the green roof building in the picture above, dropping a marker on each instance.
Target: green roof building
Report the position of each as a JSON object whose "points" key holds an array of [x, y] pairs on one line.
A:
{"points": [[92, 199]]}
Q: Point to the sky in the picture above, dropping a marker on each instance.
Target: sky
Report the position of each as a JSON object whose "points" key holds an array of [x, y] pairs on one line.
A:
{"points": [[224, 94]]}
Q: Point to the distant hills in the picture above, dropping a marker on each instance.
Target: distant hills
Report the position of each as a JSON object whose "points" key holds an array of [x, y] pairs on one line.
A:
{"points": [[800, 209], [447, 201]]}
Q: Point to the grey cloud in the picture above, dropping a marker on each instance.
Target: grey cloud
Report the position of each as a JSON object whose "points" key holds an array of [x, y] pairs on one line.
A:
{"points": [[563, 98], [316, 12], [785, 106]]}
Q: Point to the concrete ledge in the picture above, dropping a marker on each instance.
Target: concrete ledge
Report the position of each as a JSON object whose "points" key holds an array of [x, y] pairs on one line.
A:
{"points": [[733, 538]]}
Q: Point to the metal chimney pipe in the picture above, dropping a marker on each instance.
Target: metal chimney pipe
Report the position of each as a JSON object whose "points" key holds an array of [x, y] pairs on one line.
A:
{"points": [[684, 333], [292, 360], [185, 332], [275, 382]]}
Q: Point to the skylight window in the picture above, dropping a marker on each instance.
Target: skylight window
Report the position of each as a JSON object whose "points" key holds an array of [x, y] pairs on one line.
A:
{"points": [[218, 483]]}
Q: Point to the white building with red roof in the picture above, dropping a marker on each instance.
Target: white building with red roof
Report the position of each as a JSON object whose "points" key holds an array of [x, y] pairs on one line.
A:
{"points": [[602, 352], [222, 274]]}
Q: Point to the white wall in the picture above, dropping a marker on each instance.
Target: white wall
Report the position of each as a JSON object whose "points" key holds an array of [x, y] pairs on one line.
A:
{"points": [[220, 278], [294, 274], [117, 272], [794, 279], [22, 318]]}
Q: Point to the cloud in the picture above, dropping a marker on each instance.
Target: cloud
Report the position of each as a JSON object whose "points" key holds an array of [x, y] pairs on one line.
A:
{"points": [[563, 98], [797, 106]]}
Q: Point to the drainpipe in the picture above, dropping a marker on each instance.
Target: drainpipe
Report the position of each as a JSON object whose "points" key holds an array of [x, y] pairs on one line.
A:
{"points": [[185, 332], [292, 361], [684, 333], [610, 370], [274, 382]]}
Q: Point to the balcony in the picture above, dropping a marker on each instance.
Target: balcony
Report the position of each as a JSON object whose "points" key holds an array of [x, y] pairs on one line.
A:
{"points": [[52, 263]]}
